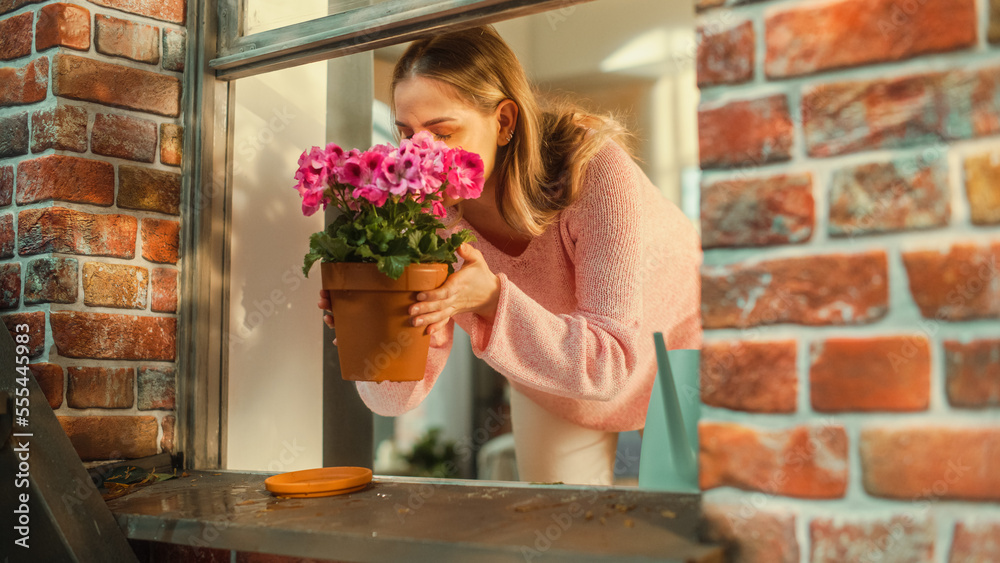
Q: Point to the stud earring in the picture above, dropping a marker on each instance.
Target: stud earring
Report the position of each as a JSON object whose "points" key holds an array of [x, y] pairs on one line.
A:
{"points": [[510, 135]]}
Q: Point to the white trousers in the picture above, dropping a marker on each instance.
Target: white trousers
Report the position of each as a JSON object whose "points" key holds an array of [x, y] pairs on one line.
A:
{"points": [[551, 449]]}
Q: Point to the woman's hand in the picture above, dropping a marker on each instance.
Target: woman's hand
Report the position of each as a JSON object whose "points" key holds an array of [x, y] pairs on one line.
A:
{"points": [[326, 305], [473, 289]]}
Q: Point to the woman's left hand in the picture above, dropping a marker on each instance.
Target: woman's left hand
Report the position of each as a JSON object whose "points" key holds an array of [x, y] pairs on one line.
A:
{"points": [[474, 288]]}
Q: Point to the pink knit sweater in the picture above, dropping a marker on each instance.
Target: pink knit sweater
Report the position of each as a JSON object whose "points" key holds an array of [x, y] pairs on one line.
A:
{"points": [[578, 308]]}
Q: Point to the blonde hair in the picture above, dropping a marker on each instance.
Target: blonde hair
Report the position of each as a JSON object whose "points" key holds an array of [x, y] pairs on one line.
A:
{"points": [[540, 172]]}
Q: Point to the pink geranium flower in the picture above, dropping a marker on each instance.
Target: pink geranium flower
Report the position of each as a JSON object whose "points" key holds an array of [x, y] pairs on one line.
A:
{"points": [[419, 168], [375, 191], [465, 175]]}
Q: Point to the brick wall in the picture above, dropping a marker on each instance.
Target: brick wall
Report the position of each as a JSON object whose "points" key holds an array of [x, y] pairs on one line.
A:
{"points": [[90, 155], [851, 222]]}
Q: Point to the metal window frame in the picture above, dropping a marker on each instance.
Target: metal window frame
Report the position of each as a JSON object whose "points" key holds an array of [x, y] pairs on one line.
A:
{"points": [[218, 53], [353, 31], [201, 423]]}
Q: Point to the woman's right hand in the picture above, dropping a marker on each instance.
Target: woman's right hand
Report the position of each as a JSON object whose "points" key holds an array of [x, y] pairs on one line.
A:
{"points": [[326, 305]]}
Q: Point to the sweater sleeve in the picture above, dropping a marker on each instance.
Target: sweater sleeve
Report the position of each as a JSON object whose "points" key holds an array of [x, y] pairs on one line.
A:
{"points": [[591, 352], [393, 398]]}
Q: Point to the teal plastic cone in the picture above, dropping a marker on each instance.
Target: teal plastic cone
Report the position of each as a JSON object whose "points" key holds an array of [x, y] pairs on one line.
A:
{"points": [[669, 457]]}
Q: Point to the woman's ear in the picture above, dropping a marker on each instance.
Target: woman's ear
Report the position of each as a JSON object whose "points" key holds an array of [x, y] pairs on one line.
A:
{"points": [[506, 120]]}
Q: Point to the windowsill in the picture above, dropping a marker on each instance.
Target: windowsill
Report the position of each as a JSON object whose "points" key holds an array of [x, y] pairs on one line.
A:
{"points": [[397, 519]]}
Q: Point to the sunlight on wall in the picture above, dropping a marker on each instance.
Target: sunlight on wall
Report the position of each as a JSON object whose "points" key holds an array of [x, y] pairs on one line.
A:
{"points": [[275, 330]]}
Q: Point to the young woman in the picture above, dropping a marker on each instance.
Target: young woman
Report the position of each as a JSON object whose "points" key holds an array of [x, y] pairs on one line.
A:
{"points": [[578, 259]]}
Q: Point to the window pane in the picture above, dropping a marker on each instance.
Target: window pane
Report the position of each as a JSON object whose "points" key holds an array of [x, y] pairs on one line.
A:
{"points": [[265, 15]]}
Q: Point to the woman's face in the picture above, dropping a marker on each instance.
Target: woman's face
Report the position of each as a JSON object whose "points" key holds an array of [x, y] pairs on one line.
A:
{"points": [[425, 104]]}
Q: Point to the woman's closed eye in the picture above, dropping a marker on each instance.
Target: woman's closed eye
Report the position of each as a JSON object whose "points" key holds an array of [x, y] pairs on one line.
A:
{"points": [[439, 137]]}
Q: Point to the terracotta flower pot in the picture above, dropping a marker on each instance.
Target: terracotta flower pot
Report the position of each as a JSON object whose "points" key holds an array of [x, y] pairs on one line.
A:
{"points": [[375, 339]]}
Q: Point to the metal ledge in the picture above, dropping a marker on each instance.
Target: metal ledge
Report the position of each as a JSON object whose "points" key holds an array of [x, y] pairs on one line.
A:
{"points": [[397, 519]]}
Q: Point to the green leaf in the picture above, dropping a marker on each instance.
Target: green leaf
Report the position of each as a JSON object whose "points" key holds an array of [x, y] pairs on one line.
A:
{"points": [[414, 236], [381, 237], [429, 243], [157, 477], [332, 249], [393, 266], [309, 261], [366, 252], [397, 247], [458, 238]]}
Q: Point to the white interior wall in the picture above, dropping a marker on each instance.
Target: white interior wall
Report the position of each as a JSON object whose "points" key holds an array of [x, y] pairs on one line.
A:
{"points": [[276, 348], [599, 47]]}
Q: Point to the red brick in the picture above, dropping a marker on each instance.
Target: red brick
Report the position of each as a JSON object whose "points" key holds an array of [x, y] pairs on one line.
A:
{"points": [[167, 441], [50, 379], [10, 285], [124, 137], [982, 185], [115, 285], [100, 387], [51, 279], [160, 240], [63, 25], [177, 553], [725, 56], [870, 374], [764, 134], [156, 388], [897, 540], [15, 36], [165, 10], [812, 38], [62, 128], [702, 5], [6, 236], [123, 38], [35, 321], [975, 543], [994, 28], [171, 144], [804, 461], [81, 78], [249, 557], [6, 186], [149, 190], [931, 463], [958, 285], [57, 229], [11, 5], [106, 336], [174, 49], [25, 85], [164, 290], [751, 535], [66, 178], [749, 376], [758, 211], [830, 289], [845, 117], [111, 437], [14, 135], [890, 196], [972, 373]]}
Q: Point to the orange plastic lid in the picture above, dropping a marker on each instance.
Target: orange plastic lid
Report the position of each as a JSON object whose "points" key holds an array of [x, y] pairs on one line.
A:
{"points": [[322, 482]]}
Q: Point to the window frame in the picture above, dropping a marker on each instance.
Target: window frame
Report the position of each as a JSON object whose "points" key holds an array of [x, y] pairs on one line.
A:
{"points": [[218, 53], [352, 31]]}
